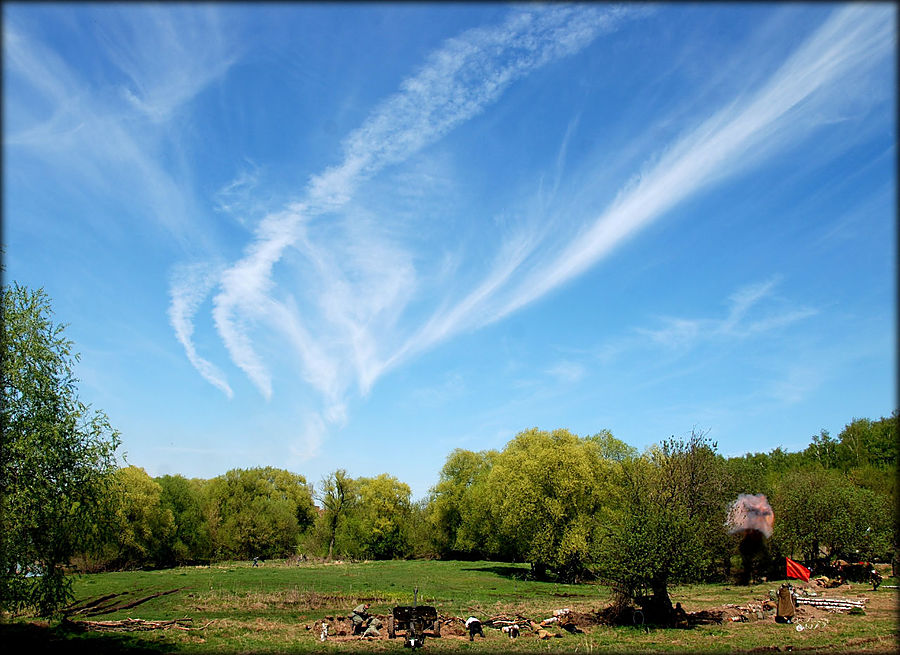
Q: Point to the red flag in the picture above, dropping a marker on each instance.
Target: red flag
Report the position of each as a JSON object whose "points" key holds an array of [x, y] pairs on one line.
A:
{"points": [[795, 570]]}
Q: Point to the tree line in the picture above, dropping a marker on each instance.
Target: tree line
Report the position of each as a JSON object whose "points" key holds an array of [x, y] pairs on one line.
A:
{"points": [[573, 507], [257, 513]]}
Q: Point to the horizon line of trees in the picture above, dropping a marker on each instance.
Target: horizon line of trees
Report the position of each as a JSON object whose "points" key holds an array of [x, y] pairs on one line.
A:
{"points": [[570, 506]]}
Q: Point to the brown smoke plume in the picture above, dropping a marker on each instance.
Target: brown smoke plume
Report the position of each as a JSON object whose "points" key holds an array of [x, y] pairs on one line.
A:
{"points": [[750, 512]]}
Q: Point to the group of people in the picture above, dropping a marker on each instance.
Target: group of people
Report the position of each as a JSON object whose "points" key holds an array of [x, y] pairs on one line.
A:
{"points": [[474, 627], [365, 624]]}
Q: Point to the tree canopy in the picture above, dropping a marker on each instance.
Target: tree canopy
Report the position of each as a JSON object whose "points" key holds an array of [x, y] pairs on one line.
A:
{"points": [[56, 457], [548, 489], [667, 504]]}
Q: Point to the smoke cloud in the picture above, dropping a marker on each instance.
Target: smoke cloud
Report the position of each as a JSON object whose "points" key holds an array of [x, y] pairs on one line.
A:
{"points": [[751, 513]]}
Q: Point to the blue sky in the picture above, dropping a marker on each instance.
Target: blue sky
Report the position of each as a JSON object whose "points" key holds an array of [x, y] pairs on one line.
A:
{"points": [[362, 235]]}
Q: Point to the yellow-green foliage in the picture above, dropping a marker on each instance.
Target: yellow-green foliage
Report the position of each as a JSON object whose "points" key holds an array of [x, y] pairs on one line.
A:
{"points": [[547, 491], [257, 512], [143, 526]]}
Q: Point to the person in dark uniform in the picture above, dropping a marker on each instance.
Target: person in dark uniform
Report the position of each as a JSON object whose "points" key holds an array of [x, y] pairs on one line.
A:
{"points": [[474, 627]]}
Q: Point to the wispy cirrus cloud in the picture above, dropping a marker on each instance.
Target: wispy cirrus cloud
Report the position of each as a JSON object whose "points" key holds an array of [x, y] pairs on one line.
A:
{"points": [[731, 141], [357, 277], [745, 318], [168, 54], [108, 130], [457, 82], [238, 197], [567, 372], [188, 288], [787, 106]]}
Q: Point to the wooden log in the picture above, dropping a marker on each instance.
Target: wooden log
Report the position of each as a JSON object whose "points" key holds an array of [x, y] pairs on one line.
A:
{"points": [[135, 625], [832, 605]]}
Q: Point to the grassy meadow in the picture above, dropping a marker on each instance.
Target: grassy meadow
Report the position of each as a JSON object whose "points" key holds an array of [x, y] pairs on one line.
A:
{"points": [[237, 608]]}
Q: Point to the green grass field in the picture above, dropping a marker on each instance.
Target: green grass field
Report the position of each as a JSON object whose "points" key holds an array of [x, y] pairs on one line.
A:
{"points": [[236, 608]]}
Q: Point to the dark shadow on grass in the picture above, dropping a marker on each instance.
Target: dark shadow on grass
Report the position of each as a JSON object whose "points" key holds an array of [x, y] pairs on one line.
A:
{"points": [[509, 572], [31, 638], [522, 574]]}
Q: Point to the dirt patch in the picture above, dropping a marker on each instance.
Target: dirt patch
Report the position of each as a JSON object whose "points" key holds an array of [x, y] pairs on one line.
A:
{"points": [[340, 628], [763, 609]]}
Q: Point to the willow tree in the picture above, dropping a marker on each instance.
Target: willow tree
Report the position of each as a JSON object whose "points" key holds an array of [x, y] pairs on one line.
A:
{"points": [[459, 510], [547, 491], [56, 458], [258, 512]]}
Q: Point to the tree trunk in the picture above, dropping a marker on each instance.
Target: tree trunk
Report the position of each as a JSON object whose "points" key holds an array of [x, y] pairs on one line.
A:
{"points": [[539, 570], [661, 602]]}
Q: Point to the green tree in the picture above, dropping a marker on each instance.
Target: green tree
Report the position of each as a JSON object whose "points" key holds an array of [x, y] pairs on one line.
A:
{"points": [[419, 531], [822, 511], [866, 442], [190, 541], [143, 526], [611, 448], [667, 506], [337, 496], [459, 506], [383, 517], [823, 450], [781, 461], [258, 512], [547, 491], [55, 460]]}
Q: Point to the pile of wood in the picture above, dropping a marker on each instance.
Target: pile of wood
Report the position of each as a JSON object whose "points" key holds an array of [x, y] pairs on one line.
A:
{"points": [[833, 604], [752, 611], [503, 621], [135, 625]]}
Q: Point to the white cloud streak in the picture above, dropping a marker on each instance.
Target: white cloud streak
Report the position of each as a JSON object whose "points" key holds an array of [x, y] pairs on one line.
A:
{"points": [[188, 288], [352, 335], [236, 197], [684, 333], [105, 135], [457, 82], [567, 372], [731, 141], [852, 39], [169, 54]]}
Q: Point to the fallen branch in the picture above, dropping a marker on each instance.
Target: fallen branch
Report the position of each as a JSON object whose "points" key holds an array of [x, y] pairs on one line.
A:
{"points": [[136, 625], [504, 620]]}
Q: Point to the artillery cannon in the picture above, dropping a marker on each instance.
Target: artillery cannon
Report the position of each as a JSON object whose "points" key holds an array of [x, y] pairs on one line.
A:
{"points": [[413, 622]]}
